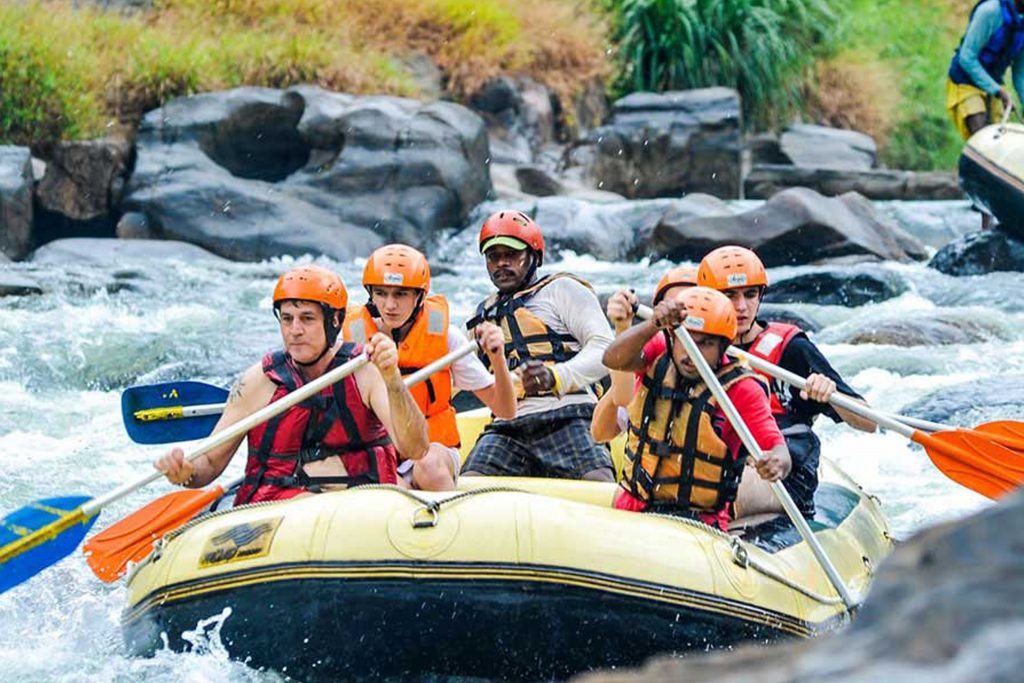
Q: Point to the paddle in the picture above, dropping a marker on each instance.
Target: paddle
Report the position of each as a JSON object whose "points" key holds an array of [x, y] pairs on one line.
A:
{"points": [[171, 411], [41, 533], [130, 539], [708, 375], [1009, 433], [972, 460]]}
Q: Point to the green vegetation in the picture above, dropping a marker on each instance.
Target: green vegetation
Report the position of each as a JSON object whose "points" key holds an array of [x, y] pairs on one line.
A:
{"points": [[898, 53], [66, 72], [874, 65], [763, 48]]}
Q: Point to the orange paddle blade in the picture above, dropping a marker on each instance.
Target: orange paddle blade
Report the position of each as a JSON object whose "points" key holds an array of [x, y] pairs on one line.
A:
{"points": [[970, 477], [974, 461], [131, 539], [1009, 433]]}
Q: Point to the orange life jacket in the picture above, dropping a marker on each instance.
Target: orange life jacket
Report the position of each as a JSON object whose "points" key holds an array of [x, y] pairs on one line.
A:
{"points": [[674, 456], [426, 341]]}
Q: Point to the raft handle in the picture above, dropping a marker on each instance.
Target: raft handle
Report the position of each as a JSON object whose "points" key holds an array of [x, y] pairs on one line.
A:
{"points": [[433, 508]]}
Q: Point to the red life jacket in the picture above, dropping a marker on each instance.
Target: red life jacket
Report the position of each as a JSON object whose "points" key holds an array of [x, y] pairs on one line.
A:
{"points": [[333, 422], [770, 345]]}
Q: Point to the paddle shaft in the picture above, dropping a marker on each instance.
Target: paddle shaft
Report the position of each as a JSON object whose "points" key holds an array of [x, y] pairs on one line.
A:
{"points": [[708, 375], [260, 416], [180, 412], [236, 430], [837, 399]]}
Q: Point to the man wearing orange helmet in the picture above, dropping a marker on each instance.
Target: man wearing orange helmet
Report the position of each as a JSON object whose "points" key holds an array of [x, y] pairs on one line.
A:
{"points": [[397, 279], [739, 274], [338, 438], [682, 456], [554, 333], [610, 417]]}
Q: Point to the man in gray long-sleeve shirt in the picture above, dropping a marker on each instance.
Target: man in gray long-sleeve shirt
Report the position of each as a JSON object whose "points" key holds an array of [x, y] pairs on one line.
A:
{"points": [[555, 336], [993, 43]]}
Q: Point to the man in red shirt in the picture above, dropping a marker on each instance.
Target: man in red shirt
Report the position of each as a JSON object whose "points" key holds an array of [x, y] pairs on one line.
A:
{"points": [[683, 457]]}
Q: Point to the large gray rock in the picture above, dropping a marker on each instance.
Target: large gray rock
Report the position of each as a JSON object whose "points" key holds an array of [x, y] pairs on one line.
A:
{"points": [[944, 608], [972, 402], [84, 179], [837, 288], [765, 180], [810, 146], [919, 328], [254, 173], [520, 117], [16, 234], [794, 227], [615, 230], [980, 253], [109, 251], [16, 284], [669, 144]]}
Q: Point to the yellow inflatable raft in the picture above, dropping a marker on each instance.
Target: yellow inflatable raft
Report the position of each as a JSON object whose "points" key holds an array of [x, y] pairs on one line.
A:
{"points": [[503, 579]]}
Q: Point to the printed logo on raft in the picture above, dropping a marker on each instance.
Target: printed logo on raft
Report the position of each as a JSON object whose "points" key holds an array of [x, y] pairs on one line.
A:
{"points": [[241, 542]]}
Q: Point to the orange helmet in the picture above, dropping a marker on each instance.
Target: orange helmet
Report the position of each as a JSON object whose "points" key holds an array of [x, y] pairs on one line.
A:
{"points": [[709, 311], [681, 276], [729, 267], [312, 283], [397, 265], [516, 227]]}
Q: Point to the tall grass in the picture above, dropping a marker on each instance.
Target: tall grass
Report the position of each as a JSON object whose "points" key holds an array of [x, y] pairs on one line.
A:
{"points": [[66, 71], [913, 42], [763, 48]]}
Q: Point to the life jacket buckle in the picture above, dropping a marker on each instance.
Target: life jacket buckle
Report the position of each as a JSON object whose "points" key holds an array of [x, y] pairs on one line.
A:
{"points": [[433, 509]]}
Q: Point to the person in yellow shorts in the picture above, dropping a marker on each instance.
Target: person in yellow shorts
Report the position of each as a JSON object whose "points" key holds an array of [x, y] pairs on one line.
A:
{"points": [[993, 43]]}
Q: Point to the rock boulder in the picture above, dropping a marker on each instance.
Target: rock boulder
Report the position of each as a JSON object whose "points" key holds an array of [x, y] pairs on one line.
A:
{"points": [[979, 253], [669, 144], [84, 179], [112, 251], [765, 180], [253, 173], [16, 235], [810, 146], [796, 226], [837, 288]]}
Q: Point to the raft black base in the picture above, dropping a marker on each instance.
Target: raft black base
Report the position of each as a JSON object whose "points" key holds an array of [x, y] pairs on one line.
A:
{"points": [[994, 190], [430, 629]]}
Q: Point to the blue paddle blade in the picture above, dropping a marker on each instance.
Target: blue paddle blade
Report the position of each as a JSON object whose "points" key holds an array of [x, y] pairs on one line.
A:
{"points": [[53, 531], [150, 417]]}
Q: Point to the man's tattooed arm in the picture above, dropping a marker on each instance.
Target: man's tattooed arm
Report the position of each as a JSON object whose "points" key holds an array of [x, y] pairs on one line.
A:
{"points": [[236, 390]]}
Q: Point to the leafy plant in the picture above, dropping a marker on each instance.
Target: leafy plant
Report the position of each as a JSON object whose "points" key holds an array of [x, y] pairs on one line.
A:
{"points": [[763, 48]]}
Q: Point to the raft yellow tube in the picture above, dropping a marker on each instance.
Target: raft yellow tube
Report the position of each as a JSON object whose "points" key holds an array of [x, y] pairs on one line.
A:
{"points": [[507, 578]]}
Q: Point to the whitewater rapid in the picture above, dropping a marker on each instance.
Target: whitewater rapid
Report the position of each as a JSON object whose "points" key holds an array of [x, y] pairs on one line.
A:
{"points": [[66, 355]]}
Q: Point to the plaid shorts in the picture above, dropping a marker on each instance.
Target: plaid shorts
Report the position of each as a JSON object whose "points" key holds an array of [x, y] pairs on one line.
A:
{"points": [[554, 444]]}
